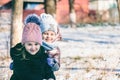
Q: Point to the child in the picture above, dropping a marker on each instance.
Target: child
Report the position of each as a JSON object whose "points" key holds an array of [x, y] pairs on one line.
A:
{"points": [[47, 21], [29, 57], [48, 26], [50, 33]]}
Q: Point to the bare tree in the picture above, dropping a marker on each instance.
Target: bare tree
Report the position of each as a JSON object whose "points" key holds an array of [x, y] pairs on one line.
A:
{"points": [[72, 14], [50, 7], [16, 29], [118, 5]]}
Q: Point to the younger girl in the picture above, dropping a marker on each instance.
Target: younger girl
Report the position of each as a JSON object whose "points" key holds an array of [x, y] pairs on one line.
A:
{"points": [[51, 34]]}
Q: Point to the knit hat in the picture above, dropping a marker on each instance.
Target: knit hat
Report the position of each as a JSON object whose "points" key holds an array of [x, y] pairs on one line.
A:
{"points": [[31, 32], [48, 23], [33, 18]]}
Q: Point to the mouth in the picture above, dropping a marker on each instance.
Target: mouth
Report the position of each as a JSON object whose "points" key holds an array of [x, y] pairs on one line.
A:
{"points": [[32, 51], [48, 40]]}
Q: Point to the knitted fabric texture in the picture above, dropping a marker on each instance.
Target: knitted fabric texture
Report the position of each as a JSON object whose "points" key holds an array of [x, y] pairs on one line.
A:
{"points": [[48, 23], [32, 18], [31, 32]]}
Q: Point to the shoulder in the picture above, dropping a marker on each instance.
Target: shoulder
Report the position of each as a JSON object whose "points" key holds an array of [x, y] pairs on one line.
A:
{"points": [[16, 50], [17, 47], [58, 49], [42, 49]]}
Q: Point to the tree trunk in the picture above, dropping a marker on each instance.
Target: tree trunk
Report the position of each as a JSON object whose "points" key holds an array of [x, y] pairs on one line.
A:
{"points": [[118, 4], [50, 7], [16, 29], [72, 14]]}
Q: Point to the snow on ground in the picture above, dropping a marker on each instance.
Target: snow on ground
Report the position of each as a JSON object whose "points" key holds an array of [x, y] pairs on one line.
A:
{"points": [[90, 41], [90, 53], [87, 53]]}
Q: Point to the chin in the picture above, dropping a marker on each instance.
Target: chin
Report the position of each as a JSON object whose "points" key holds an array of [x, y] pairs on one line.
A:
{"points": [[33, 53], [49, 41]]}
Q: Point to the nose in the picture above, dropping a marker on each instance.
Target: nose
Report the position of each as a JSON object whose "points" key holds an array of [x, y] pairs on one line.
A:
{"points": [[33, 48], [48, 35]]}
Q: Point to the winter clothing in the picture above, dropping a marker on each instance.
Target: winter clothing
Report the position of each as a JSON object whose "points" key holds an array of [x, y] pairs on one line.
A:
{"points": [[31, 32], [47, 46], [52, 62], [48, 23], [32, 18], [30, 67], [45, 21], [11, 66], [25, 65], [53, 59]]}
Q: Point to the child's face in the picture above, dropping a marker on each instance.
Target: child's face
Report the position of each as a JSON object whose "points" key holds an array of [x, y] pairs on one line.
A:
{"points": [[32, 47], [49, 36]]}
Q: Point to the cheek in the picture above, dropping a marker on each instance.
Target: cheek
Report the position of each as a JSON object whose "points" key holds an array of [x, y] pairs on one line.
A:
{"points": [[28, 49], [44, 36], [53, 36], [38, 47]]}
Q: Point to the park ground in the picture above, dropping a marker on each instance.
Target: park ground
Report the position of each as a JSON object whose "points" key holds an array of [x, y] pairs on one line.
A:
{"points": [[87, 53]]}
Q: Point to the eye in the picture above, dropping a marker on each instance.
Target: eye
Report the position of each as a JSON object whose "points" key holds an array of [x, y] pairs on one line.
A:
{"points": [[45, 33], [29, 44], [36, 44], [52, 34]]}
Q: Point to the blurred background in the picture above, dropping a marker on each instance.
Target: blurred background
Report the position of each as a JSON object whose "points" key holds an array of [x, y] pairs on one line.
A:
{"points": [[90, 49]]}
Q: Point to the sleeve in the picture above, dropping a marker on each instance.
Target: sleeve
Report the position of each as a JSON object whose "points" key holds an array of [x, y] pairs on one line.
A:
{"points": [[56, 60], [57, 56], [55, 67], [49, 73], [11, 53], [16, 50]]}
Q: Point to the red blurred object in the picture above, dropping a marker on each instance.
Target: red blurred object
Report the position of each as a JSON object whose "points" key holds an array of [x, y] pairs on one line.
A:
{"points": [[27, 12], [62, 13], [81, 9], [2, 2]]}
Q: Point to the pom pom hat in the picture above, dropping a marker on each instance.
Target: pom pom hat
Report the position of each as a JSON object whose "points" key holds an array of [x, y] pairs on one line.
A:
{"points": [[48, 23], [31, 32], [33, 18], [45, 21]]}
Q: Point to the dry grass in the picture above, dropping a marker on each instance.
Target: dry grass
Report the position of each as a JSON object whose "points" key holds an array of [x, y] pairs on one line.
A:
{"points": [[4, 29]]}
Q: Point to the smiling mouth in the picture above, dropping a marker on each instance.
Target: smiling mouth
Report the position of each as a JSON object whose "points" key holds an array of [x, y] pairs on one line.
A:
{"points": [[32, 50]]}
